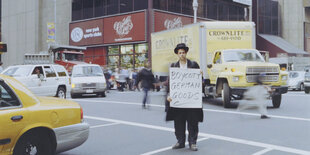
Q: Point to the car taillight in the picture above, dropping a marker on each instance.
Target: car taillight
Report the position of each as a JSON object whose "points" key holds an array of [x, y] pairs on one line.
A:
{"points": [[82, 114]]}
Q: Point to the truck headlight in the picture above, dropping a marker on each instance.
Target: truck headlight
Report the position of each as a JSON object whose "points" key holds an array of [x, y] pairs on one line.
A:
{"points": [[235, 78], [284, 78]]}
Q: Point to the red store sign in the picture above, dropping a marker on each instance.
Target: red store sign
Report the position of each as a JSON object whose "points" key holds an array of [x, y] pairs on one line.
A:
{"points": [[125, 28], [86, 33], [109, 30], [165, 21]]}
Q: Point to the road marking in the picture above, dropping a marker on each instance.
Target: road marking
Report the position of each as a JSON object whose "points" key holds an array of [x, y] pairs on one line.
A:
{"points": [[169, 148], [104, 125], [205, 109], [206, 135], [262, 151]]}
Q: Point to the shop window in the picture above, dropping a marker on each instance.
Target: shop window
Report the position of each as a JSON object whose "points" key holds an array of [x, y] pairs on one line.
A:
{"points": [[223, 12], [140, 4], [126, 5], [88, 9], [113, 50], [113, 61], [76, 10], [99, 9], [126, 49], [127, 61], [141, 56]]}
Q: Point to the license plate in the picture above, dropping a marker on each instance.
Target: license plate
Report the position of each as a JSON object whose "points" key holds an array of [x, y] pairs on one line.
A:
{"points": [[89, 91]]}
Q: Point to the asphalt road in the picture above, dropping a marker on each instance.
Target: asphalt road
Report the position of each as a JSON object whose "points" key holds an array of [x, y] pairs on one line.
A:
{"points": [[119, 126]]}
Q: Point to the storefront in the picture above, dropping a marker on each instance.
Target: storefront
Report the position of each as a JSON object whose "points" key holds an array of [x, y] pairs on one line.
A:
{"points": [[122, 40], [114, 41]]}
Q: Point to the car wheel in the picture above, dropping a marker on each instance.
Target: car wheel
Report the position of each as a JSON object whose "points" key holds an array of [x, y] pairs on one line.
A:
{"points": [[34, 143], [302, 87], [61, 92], [307, 90], [276, 101], [226, 95]]}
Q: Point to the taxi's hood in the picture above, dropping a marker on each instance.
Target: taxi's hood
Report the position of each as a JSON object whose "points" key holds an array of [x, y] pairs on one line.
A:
{"points": [[251, 64]]}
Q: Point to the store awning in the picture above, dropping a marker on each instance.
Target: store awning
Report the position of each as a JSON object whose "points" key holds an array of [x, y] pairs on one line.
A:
{"points": [[283, 44]]}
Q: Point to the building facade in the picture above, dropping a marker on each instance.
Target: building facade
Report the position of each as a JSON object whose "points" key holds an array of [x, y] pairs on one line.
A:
{"points": [[24, 26], [115, 32]]}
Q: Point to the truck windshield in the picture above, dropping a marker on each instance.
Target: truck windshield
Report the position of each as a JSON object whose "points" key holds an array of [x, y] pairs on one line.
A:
{"points": [[17, 71], [82, 71], [242, 55], [73, 57]]}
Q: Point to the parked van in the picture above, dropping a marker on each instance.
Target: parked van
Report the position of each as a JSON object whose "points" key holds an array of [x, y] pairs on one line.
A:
{"points": [[42, 80], [87, 79]]}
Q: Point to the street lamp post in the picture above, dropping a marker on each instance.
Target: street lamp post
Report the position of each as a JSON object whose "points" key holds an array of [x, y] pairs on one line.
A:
{"points": [[55, 19], [195, 7]]}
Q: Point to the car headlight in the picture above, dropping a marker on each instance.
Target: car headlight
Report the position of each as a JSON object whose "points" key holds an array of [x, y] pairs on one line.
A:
{"points": [[73, 85], [102, 85], [284, 78], [235, 78]]}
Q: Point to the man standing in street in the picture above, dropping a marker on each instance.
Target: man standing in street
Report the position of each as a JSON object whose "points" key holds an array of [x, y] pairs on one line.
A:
{"points": [[147, 81], [181, 116]]}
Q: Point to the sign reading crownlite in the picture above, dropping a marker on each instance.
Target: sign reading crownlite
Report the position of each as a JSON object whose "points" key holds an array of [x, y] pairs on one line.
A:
{"points": [[245, 2]]}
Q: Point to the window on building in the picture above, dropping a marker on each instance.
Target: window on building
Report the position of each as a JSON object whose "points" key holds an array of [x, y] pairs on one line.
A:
{"points": [[99, 9], [174, 6], [160, 4], [140, 4], [0, 24], [76, 10], [112, 7], [187, 7], [88, 9], [223, 11], [268, 17], [126, 6], [141, 55], [212, 9]]}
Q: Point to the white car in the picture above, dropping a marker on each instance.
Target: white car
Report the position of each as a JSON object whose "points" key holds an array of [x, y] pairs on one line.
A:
{"points": [[49, 80], [296, 80], [87, 79]]}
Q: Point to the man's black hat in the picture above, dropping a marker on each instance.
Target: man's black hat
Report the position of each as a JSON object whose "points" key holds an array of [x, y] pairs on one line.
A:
{"points": [[180, 46]]}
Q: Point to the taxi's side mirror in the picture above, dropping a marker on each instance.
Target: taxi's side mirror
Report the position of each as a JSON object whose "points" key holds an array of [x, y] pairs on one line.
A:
{"points": [[209, 65]]}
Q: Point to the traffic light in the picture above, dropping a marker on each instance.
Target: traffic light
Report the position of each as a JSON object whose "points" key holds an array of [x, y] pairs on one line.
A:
{"points": [[3, 47]]}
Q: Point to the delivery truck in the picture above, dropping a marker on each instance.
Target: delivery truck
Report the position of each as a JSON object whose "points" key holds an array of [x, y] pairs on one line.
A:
{"points": [[226, 54]]}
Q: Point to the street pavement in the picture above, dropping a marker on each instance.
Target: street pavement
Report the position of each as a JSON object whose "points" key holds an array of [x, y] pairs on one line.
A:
{"points": [[120, 126]]}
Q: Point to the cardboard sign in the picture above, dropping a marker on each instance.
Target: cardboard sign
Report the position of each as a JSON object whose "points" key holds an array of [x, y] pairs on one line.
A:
{"points": [[185, 88]]}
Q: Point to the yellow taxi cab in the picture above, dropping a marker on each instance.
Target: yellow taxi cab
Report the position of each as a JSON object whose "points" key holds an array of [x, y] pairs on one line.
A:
{"points": [[37, 125]]}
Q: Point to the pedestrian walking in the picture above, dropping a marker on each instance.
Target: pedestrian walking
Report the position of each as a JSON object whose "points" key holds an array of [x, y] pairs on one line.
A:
{"points": [[183, 116], [147, 81], [1, 68], [256, 97]]}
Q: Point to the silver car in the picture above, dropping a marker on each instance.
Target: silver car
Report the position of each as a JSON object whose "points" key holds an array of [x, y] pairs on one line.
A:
{"points": [[296, 80]]}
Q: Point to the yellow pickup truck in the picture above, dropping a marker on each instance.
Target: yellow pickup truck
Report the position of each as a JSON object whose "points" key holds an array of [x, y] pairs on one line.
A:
{"points": [[226, 53]]}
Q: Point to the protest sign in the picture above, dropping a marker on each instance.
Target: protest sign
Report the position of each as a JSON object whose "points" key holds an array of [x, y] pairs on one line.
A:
{"points": [[185, 88]]}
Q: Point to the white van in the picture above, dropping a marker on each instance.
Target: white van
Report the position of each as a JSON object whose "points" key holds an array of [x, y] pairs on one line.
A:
{"points": [[42, 80], [87, 79]]}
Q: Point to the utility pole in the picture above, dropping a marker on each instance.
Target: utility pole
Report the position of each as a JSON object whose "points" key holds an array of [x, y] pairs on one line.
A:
{"points": [[195, 7], [55, 19]]}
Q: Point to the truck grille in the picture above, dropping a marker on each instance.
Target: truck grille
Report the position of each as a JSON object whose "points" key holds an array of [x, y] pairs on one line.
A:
{"points": [[88, 85], [258, 70], [272, 74]]}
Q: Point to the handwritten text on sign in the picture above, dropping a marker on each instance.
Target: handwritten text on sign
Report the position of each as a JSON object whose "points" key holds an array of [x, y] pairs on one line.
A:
{"points": [[185, 88]]}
